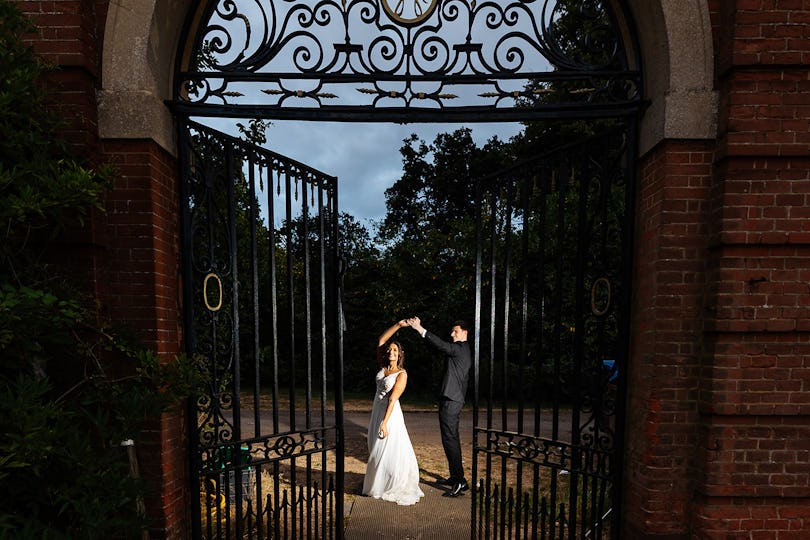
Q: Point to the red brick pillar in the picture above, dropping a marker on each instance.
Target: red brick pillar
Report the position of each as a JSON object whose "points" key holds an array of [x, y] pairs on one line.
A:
{"points": [[754, 467], [142, 279], [665, 367]]}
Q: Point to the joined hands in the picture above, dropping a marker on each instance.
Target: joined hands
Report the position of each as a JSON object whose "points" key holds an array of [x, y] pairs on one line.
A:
{"points": [[416, 324]]}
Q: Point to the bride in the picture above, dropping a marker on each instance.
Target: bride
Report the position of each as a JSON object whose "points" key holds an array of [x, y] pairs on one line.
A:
{"points": [[392, 473]]}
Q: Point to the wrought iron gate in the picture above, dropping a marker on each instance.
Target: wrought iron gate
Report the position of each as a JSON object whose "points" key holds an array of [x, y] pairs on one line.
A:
{"points": [[414, 61], [263, 318], [552, 301], [549, 309]]}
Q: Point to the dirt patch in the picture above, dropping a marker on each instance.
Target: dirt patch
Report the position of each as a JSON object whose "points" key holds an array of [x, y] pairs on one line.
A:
{"points": [[421, 419]]}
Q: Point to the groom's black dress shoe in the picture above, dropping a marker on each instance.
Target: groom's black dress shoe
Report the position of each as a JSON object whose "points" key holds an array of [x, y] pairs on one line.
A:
{"points": [[446, 482], [457, 490]]}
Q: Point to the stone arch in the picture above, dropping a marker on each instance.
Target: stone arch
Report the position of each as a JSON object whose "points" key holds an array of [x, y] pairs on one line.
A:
{"points": [[141, 38], [140, 43], [678, 66]]}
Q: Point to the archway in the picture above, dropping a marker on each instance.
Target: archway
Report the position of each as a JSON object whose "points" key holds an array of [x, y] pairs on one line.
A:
{"points": [[141, 40], [673, 102]]}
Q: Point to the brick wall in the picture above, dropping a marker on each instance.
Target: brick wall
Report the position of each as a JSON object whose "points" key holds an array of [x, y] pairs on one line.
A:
{"points": [[755, 385], [738, 369], [69, 36], [670, 269], [163, 454], [142, 274], [142, 228], [68, 31]]}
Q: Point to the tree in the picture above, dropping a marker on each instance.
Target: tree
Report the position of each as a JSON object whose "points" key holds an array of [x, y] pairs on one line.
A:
{"points": [[428, 236], [437, 186], [584, 39]]}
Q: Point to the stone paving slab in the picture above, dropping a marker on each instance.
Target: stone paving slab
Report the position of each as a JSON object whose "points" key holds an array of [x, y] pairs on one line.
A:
{"points": [[433, 517]]}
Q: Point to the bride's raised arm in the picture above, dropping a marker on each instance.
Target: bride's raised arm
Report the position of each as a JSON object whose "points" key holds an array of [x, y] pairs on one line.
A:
{"points": [[385, 336]]}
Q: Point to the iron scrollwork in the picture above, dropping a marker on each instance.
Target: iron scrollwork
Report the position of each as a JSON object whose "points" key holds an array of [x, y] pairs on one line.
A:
{"points": [[554, 454], [598, 394], [229, 455], [406, 54]]}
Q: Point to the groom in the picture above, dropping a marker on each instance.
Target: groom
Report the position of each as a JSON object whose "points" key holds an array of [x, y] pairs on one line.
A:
{"points": [[457, 361]]}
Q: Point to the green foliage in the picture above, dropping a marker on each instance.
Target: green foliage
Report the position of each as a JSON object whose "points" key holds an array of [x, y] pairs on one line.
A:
{"points": [[44, 195], [34, 325], [20, 93], [437, 184], [69, 393], [64, 472], [42, 189], [70, 389], [255, 131], [427, 258]]}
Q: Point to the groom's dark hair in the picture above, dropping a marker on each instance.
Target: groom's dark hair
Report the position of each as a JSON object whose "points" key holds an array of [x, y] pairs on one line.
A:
{"points": [[461, 323]]}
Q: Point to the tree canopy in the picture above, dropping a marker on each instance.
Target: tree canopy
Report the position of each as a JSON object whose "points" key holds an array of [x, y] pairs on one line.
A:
{"points": [[425, 256]]}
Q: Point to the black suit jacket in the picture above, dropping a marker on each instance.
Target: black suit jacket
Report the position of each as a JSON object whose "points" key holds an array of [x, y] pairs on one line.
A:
{"points": [[457, 362]]}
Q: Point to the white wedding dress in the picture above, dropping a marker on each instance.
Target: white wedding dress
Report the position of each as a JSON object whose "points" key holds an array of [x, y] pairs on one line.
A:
{"points": [[392, 473]]}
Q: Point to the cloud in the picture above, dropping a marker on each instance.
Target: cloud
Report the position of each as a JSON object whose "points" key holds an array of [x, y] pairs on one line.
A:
{"points": [[364, 156]]}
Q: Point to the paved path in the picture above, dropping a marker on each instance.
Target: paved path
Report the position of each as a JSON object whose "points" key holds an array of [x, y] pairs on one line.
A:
{"points": [[433, 517]]}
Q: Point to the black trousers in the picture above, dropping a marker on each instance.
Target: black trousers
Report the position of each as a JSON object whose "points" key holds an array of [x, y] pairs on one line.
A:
{"points": [[449, 416]]}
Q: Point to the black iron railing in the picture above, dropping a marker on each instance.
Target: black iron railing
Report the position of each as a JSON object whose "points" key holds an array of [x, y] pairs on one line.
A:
{"points": [[551, 341], [422, 60], [262, 311]]}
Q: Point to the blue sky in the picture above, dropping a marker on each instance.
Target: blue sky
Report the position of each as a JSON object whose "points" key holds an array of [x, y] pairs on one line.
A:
{"points": [[364, 156]]}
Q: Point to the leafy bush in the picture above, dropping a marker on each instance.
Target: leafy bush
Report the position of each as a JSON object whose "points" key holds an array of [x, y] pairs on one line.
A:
{"points": [[71, 390]]}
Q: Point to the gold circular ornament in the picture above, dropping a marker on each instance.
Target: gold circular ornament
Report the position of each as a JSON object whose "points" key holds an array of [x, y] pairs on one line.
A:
{"points": [[605, 296], [206, 299], [409, 12]]}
